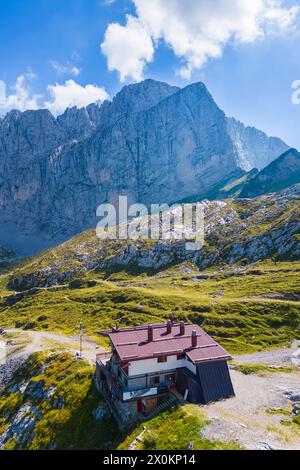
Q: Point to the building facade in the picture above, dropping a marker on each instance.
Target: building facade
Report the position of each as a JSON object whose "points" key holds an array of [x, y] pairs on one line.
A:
{"points": [[149, 363]]}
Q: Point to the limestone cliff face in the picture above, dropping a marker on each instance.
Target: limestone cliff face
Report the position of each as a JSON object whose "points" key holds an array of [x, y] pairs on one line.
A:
{"points": [[154, 142], [255, 148]]}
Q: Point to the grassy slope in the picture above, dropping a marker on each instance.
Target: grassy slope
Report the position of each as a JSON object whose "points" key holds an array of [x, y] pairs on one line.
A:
{"points": [[73, 424], [175, 429], [245, 310]]}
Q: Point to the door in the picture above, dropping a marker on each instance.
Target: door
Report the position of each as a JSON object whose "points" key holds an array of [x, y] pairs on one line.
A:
{"points": [[139, 406]]}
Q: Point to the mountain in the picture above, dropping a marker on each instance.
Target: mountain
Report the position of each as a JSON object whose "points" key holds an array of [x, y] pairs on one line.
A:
{"points": [[153, 142], [255, 148], [281, 173]]}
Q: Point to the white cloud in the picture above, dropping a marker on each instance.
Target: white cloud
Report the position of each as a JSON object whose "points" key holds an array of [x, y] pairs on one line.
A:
{"points": [[62, 96], [128, 48], [72, 94], [22, 96], [65, 69], [196, 30]]}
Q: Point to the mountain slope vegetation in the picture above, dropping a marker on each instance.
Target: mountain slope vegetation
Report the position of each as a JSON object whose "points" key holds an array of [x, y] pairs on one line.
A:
{"points": [[242, 287], [281, 173]]}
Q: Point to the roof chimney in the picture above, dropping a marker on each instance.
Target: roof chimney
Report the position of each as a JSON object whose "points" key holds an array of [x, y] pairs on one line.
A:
{"points": [[182, 328], [169, 327], [150, 333], [194, 339]]}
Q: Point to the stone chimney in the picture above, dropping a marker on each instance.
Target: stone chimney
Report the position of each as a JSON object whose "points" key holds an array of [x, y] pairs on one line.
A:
{"points": [[194, 339], [150, 333], [182, 328]]}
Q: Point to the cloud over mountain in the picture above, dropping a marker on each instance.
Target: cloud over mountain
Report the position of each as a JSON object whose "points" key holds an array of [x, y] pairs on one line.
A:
{"points": [[196, 31], [72, 94]]}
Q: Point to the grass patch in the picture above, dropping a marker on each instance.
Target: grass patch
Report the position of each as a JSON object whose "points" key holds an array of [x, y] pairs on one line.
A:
{"points": [[262, 369], [175, 429]]}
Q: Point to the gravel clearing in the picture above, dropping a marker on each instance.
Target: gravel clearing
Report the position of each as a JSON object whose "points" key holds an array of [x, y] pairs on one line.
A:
{"points": [[274, 357], [244, 418]]}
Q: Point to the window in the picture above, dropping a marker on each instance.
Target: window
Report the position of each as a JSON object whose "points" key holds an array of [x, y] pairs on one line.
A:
{"points": [[180, 356], [154, 380], [162, 359], [170, 379]]}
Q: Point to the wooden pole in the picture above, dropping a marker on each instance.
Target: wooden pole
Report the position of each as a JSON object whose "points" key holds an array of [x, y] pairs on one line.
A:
{"points": [[80, 339]]}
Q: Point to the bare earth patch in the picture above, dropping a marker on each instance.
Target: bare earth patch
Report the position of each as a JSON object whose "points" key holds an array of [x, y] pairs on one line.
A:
{"points": [[246, 418], [36, 341], [281, 357]]}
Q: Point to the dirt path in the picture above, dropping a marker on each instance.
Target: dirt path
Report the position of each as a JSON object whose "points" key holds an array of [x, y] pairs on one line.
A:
{"points": [[25, 343], [35, 341]]}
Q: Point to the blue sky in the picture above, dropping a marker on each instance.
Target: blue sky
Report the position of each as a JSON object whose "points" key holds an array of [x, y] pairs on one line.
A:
{"points": [[247, 56]]}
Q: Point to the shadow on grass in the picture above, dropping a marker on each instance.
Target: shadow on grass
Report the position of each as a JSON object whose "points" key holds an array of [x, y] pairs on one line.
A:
{"points": [[82, 431]]}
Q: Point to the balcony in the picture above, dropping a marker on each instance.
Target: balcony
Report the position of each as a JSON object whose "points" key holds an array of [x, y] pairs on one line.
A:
{"points": [[114, 379], [103, 358]]}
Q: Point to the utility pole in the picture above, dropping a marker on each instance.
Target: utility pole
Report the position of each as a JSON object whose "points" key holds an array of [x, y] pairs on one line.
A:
{"points": [[80, 339]]}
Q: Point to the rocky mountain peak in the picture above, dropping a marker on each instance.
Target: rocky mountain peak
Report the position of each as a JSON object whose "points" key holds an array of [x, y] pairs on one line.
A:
{"points": [[77, 122], [140, 96]]}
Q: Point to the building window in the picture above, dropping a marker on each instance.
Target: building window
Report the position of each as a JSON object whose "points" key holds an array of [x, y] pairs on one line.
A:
{"points": [[162, 359], [180, 357], [170, 379], [154, 381]]}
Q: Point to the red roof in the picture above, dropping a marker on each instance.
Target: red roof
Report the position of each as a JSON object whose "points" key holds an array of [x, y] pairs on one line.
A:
{"points": [[132, 343]]}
